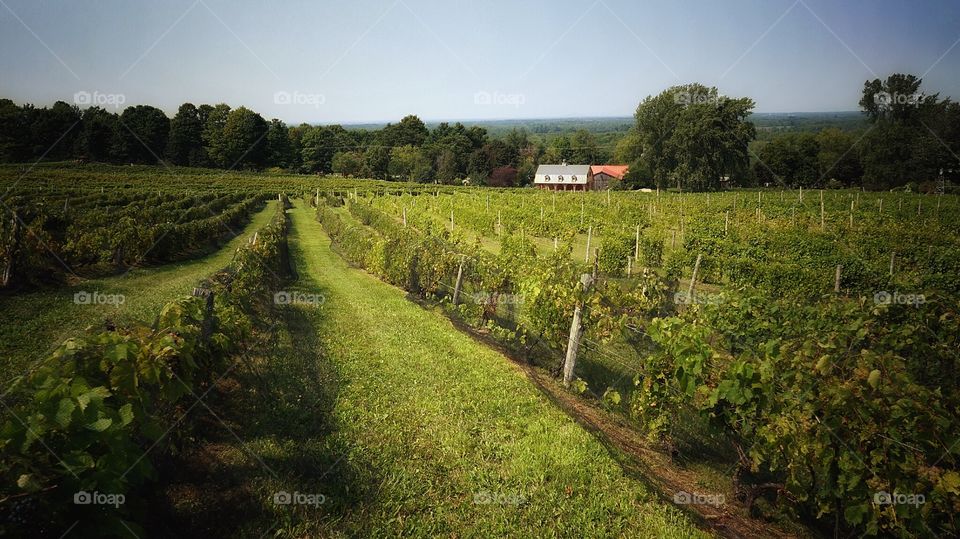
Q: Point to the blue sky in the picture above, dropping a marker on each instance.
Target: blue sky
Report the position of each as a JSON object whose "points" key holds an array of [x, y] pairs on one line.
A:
{"points": [[377, 60]]}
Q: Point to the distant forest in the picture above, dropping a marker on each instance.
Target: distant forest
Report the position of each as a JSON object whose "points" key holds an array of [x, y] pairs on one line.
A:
{"points": [[688, 137]]}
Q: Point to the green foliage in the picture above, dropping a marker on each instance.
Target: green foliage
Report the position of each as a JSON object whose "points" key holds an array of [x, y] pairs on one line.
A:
{"points": [[614, 250], [91, 412], [823, 401]]}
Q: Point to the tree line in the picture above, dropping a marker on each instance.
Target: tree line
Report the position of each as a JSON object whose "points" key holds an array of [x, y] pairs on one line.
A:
{"points": [[219, 136], [912, 140], [689, 137]]}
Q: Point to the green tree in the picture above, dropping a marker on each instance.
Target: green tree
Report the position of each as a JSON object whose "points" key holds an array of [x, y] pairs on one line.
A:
{"points": [[692, 136], [244, 139], [377, 159], [214, 120], [99, 140], [584, 149], [791, 159], [409, 163], [14, 133], [185, 145], [144, 131], [411, 131], [279, 145], [349, 164], [905, 142], [838, 157]]}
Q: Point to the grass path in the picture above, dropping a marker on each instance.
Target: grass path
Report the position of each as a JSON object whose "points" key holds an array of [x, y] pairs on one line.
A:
{"points": [[34, 323], [443, 436]]}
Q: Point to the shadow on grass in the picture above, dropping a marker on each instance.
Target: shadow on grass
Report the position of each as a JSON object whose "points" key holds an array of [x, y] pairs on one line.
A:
{"points": [[269, 431]]}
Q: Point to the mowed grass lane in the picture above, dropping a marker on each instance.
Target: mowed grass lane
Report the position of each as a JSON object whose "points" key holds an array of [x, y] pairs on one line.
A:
{"points": [[446, 437], [33, 324]]}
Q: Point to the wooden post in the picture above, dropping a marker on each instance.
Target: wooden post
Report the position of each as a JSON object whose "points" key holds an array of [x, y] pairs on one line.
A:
{"points": [[693, 278], [459, 285], [404, 216], [893, 258], [499, 223], [822, 213], [801, 194], [636, 245], [726, 223], [576, 332], [673, 238], [836, 280], [586, 256], [555, 245], [581, 212], [629, 266], [451, 220], [10, 269], [919, 201]]}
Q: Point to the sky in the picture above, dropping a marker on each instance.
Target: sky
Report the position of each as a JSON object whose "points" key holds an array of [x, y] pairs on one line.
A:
{"points": [[357, 61]]}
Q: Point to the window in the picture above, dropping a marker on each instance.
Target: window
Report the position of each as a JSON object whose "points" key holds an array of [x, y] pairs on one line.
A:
{"points": [[546, 178], [573, 178], [560, 178]]}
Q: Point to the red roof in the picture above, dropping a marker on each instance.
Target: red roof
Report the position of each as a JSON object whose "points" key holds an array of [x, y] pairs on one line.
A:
{"points": [[617, 171]]}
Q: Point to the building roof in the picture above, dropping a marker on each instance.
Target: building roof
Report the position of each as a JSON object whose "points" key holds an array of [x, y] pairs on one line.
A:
{"points": [[617, 171], [567, 171]]}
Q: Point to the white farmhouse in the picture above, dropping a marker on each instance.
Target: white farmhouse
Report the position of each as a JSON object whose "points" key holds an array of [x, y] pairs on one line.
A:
{"points": [[562, 177]]}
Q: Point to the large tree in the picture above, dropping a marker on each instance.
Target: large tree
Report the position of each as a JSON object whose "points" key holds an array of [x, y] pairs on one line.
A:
{"points": [[907, 140], [790, 160], [244, 139], [411, 131], [100, 137], [144, 131], [185, 145], [692, 136], [409, 163], [214, 120], [280, 151]]}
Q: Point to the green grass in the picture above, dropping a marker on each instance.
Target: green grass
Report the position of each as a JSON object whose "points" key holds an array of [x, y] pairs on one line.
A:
{"points": [[36, 322], [428, 423]]}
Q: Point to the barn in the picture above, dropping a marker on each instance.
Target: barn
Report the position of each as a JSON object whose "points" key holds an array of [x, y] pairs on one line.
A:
{"points": [[562, 177], [602, 175]]}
